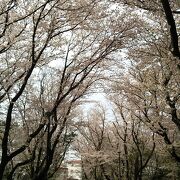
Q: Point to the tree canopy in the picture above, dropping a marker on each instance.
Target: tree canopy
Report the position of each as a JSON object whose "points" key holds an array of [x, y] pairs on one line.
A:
{"points": [[54, 54]]}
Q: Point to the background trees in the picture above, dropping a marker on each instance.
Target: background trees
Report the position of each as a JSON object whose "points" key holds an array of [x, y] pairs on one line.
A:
{"points": [[122, 149]]}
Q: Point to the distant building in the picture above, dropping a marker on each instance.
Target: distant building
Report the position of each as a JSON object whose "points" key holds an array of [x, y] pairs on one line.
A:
{"points": [[70, 170], [74, 170]]}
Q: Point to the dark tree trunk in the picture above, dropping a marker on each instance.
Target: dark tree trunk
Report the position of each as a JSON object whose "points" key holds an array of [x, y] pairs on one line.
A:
{"points": [[2, 168], [136, 168], [41, 177]]}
